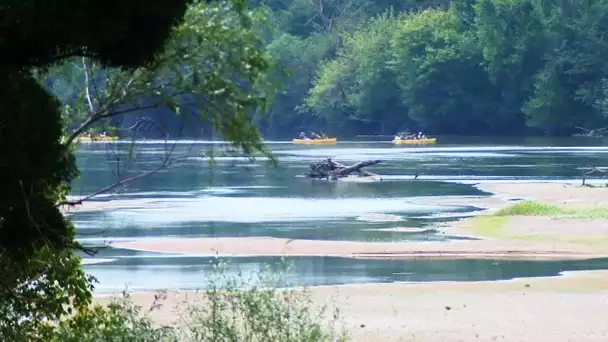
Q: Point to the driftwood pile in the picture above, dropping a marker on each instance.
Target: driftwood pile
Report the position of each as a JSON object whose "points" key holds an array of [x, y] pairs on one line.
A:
{"points": [[329, 169]]}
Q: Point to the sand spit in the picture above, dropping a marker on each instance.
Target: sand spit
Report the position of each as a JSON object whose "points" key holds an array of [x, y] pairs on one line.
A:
{"points": [[568, 194], [380, 218], [412, 230], [256, 246], [92, 261]]}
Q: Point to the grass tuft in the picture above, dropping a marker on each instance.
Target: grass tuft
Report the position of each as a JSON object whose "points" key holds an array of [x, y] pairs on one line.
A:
{"points": [[531, 208]]}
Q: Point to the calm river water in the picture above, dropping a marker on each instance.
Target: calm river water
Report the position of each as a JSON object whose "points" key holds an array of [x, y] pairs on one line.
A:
{"points": [[242, 197]]}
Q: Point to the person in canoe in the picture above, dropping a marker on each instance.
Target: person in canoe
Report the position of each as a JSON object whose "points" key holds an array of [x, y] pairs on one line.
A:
{"points": [[314, 135], [324, 136], [420, 136], [303, 136], [406, 136]]}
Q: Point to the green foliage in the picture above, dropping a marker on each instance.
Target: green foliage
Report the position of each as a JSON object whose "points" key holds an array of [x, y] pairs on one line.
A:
{"points": [[121, 320], [233, 309], [236, 309], [40, 273], [35, 170], [37, 33], [531, 208], [358, 84], [475, 67], [364, 67], [432, 55], [300, 57], [213, 67], [213, 63], [40, 290]]}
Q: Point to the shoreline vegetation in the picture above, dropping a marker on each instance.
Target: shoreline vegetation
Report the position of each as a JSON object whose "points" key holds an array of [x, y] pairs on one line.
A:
{"points": [[550, 221]]}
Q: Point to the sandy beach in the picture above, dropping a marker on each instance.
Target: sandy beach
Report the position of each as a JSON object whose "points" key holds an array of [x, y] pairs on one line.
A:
{"points": [[558, 309], [573, 307]]}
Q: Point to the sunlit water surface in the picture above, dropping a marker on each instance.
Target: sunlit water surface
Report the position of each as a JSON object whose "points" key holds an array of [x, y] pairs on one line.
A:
{"points": [[240, 197]]}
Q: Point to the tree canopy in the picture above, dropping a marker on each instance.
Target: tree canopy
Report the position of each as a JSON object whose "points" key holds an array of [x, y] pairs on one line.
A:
{"points": [[74, 65], [477, 67]]}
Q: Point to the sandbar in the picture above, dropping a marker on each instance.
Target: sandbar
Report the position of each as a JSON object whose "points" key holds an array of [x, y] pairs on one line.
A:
{"points": [[270, 246], [522, 237], [567, 194]]}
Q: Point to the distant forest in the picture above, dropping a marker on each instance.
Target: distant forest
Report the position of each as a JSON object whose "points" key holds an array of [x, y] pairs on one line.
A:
{"points": [[465, 67]]}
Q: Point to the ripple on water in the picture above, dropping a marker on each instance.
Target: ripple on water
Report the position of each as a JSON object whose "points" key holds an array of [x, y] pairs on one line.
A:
{"points": [[204, 212], [265, 209], [197, 272]]}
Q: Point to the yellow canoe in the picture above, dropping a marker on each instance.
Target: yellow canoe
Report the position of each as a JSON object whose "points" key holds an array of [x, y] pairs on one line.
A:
{"points": [[415, 141], [316, 141], [90, 139]]}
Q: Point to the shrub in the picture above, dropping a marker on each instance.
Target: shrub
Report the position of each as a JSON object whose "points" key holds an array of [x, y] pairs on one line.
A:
{"points": [[230, 309]]}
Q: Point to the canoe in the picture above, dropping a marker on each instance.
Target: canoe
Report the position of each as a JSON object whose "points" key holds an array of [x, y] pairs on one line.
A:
{"points": [[91, 139], [415, 141], [316, 141]]}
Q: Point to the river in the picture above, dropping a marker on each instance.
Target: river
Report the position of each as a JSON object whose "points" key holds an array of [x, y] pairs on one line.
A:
{"points": [[239, 197]]}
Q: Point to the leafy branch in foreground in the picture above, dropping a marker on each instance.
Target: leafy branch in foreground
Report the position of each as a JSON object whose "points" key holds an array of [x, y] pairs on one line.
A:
{"points": [[213, 68]]}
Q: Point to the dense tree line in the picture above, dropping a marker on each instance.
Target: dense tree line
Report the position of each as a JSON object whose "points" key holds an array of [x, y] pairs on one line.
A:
{"points": [[474, 67], [497, 67]]}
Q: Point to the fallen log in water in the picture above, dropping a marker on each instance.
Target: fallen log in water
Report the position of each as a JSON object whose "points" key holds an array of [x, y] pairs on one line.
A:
{"points": [[330, 169]]}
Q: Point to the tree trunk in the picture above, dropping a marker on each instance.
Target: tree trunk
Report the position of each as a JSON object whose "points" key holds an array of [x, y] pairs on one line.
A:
{"points": [[330, 169]]}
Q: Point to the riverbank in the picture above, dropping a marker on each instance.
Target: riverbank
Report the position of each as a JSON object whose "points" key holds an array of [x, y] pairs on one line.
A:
{"points": [[517, 237], [567, 308]]}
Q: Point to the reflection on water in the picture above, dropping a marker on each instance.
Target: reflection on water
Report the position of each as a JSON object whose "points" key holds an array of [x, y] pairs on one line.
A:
{"points": [[242, 197]]}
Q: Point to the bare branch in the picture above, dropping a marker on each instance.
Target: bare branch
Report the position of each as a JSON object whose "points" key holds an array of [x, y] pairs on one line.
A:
{"points": [[87, 85], [99, 116], [164, 165], [166, 162]]}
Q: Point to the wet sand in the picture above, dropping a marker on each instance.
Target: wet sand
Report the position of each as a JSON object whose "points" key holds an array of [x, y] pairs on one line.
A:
{"points": [[568, 308], [259, 246], [568, 194]]}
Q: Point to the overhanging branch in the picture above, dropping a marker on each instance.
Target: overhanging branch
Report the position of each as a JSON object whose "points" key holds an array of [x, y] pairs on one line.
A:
{"points": [[164, 165]]}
